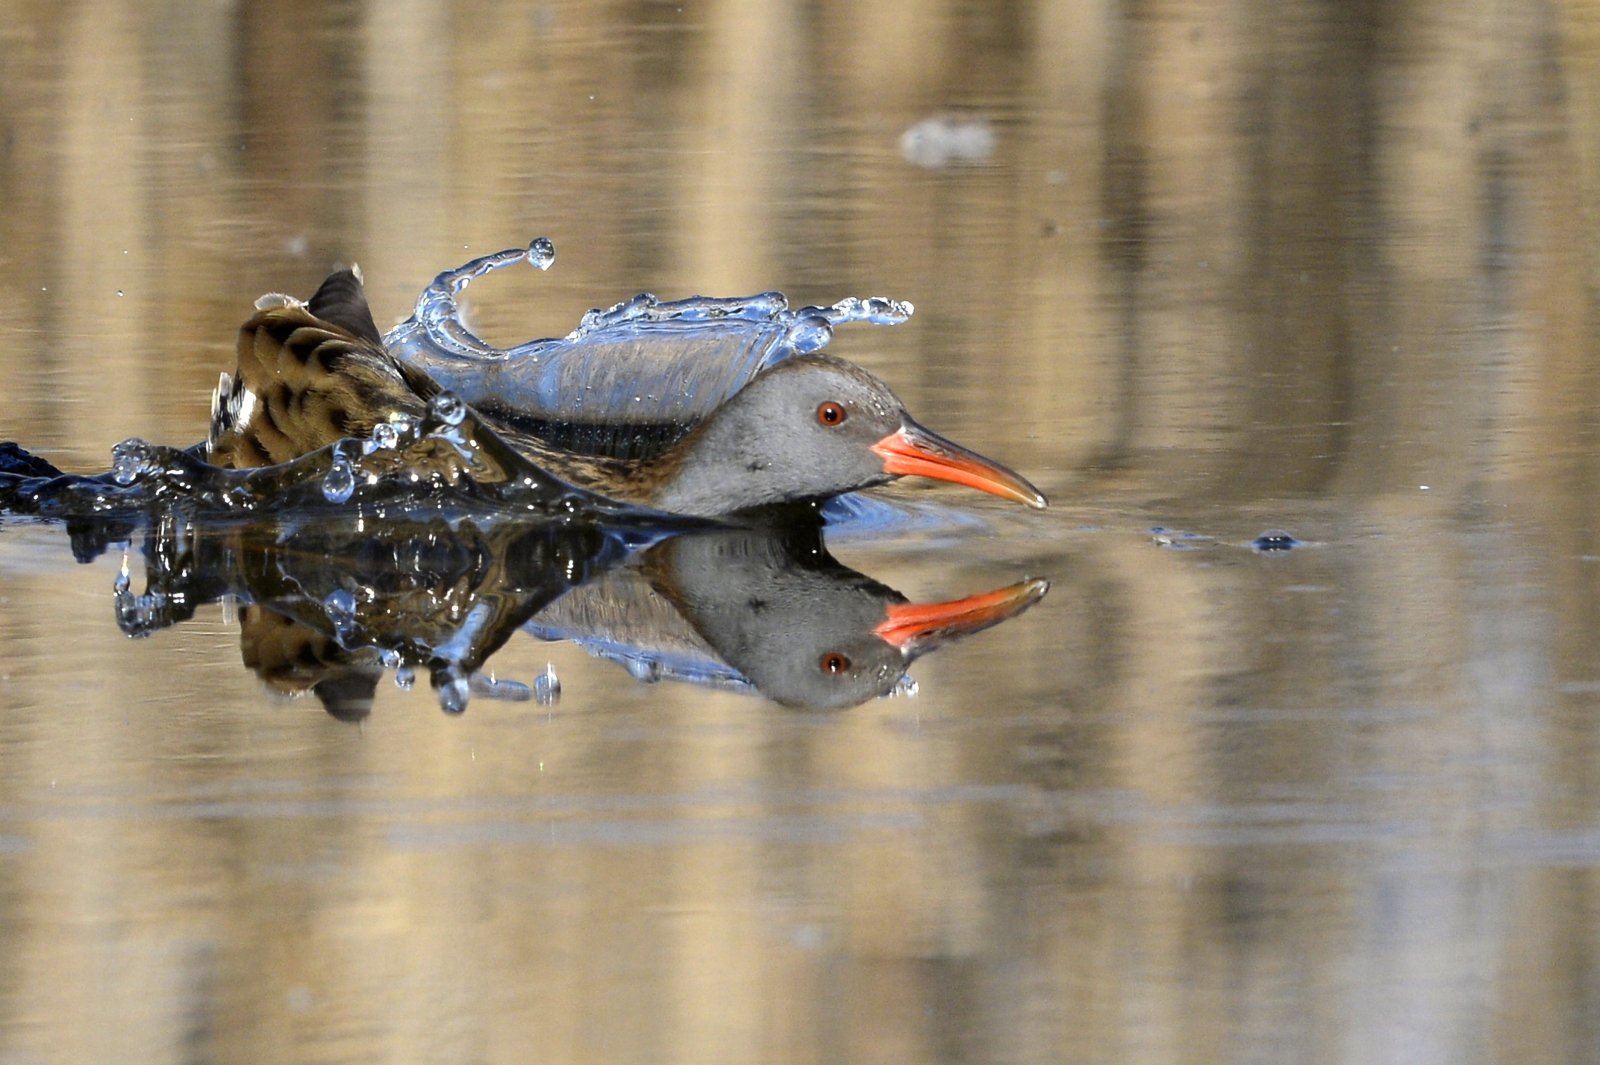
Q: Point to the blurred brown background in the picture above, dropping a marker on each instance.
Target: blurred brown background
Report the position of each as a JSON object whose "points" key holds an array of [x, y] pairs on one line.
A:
{"points": [[1228, 265]]}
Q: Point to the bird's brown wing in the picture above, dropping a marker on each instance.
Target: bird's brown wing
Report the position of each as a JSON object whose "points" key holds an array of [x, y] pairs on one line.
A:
{"points": [[303, 382]]}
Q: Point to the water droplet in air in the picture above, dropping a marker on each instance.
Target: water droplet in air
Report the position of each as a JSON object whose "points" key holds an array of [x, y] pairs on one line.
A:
{"points": [[447, 408], [905, 687], [455, 691], [541, 253], [405, 677], [339, 483], [547, 687]]}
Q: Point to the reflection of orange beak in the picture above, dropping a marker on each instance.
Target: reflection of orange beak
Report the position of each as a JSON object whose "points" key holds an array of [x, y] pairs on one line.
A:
{"points": [[911, 449], [914, 628]]}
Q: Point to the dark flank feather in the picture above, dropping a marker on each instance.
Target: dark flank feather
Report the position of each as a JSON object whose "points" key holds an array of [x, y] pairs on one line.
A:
{"points": [[342, 301]]}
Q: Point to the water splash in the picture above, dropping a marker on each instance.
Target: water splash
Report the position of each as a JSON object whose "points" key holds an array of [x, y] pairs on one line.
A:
{"points": [[340, 607], [448, 459], [455, 690], [904, 688], [547, 686], [447, 409], [642, 366], [339, 483], [385, 437], [541, 253], [491, 687], [137, 615], [131, 460], [809, 334], [644, 670]]}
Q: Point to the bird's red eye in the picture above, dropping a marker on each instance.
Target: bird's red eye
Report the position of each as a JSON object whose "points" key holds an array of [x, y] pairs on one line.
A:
{"points": [[830, 414], [834, 662]]}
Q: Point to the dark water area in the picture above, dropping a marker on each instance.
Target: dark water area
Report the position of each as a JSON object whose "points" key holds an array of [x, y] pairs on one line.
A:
{"points": [[1288, 308]]}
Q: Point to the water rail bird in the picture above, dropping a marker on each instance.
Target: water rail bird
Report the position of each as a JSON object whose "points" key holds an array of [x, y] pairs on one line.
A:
{"points": [[809, 428]]}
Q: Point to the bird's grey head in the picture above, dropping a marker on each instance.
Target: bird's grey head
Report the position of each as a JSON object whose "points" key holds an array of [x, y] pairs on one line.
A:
{"points": [[803, 429], [811, 428]]}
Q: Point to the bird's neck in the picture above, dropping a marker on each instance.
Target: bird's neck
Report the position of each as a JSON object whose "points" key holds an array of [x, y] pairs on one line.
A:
{"points": [[708, 473]]}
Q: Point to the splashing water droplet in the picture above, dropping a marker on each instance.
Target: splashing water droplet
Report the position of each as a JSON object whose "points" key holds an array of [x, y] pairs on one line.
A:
{"points": [[491, 687], [541, 253], [340, 606], [455, 691], [642, 346], [339, 483], [384, 437], [389, 658], [809, 334], [905, 687], [447, 408], [644, 670], [547, 686], [405, 677], [131, 460]]}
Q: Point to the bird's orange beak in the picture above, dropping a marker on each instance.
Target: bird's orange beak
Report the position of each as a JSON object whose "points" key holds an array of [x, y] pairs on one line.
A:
{"points": [[913, 628], [913, 450]]}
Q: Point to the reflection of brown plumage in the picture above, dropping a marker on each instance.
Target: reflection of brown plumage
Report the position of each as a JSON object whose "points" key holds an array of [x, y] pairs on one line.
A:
{"points": [[294, 658]]}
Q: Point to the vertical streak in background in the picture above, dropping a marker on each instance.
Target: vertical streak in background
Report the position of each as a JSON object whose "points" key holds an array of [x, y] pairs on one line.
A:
{"points": [[1123, 207], [408, 147], [1077, 378], [739, 129], [101, 180]]}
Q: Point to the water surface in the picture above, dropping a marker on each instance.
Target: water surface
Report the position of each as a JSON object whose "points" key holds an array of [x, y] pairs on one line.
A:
{"points": [[1202, 271]]}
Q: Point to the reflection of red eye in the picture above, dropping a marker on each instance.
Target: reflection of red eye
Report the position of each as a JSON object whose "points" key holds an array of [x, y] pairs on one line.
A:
{"points": [[834, 662], [830, 414]]}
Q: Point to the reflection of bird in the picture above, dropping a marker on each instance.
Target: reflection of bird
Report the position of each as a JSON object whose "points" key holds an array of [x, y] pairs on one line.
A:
{"points": [[324, 603], [770, 608], [808, 428], [293, 657]]}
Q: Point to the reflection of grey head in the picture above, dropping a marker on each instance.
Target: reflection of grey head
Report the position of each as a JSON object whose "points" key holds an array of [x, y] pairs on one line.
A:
{"points": [[783, 612]]}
